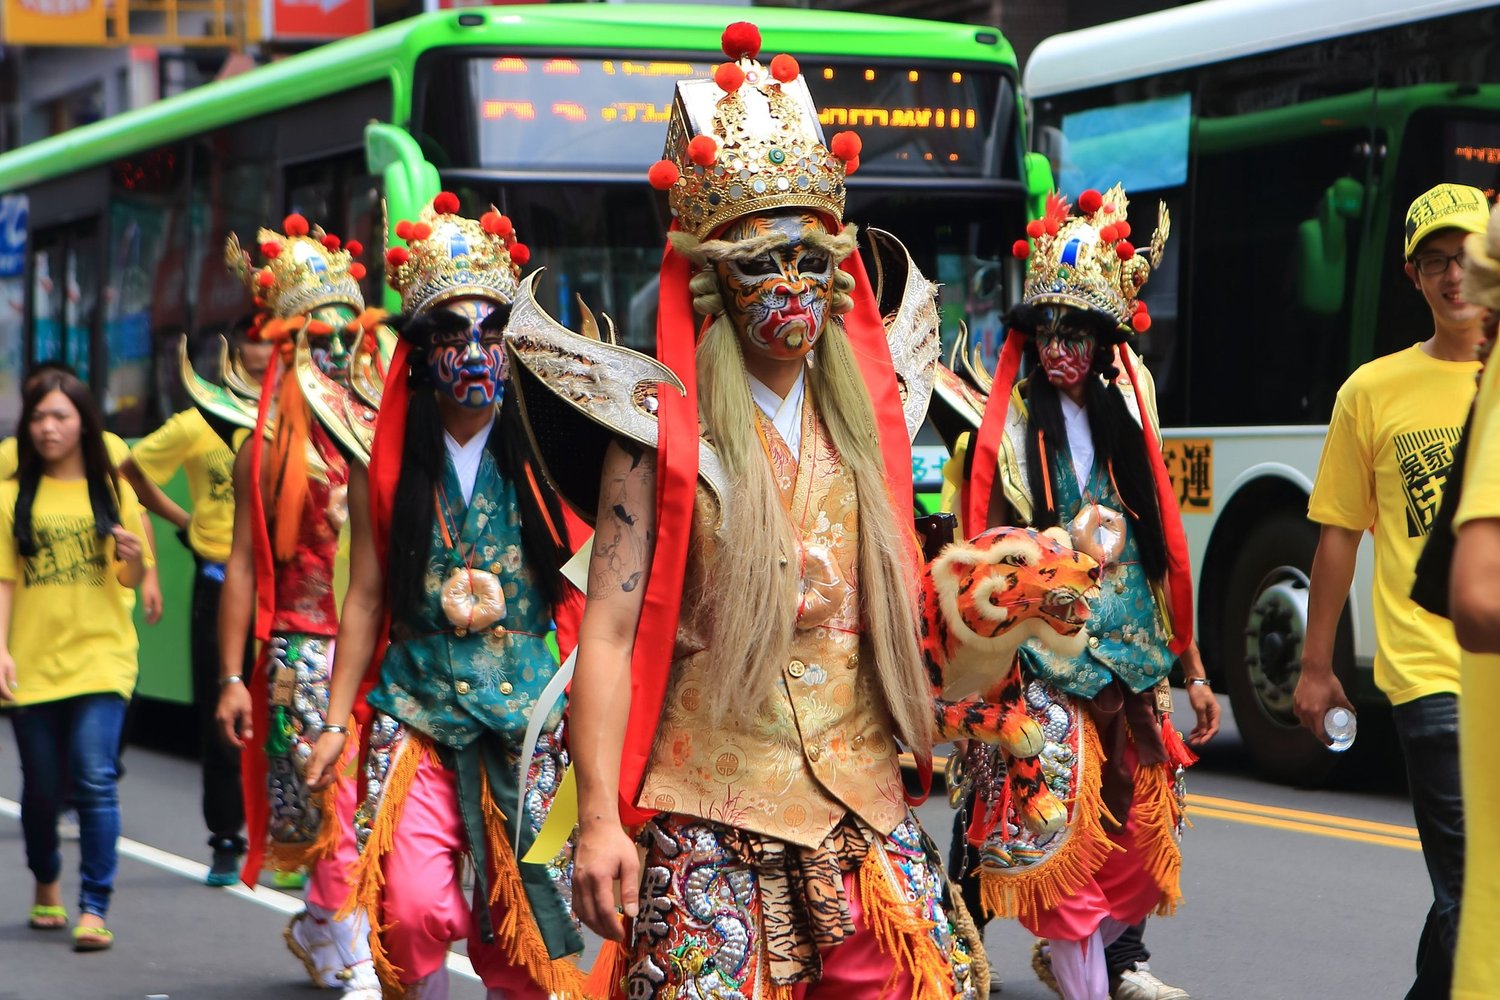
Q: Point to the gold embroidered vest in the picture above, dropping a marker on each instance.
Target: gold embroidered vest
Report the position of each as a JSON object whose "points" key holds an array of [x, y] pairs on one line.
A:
{"points": [[822, 745]]}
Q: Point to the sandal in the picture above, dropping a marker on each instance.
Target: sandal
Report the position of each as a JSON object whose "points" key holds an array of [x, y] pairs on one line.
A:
{"points": [[92, 938], [47, 918]]}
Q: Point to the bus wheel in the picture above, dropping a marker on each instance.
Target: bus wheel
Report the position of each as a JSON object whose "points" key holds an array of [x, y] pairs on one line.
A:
{"points": [[1260, 649]]}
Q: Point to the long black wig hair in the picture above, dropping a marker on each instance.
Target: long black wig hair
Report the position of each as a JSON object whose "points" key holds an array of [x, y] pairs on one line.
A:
{"points": [[103, 480], [422, 470], [1118, 441]]}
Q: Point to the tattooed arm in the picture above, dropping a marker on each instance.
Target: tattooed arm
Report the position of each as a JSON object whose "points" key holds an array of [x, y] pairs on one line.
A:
{"points": [[599, 704]]}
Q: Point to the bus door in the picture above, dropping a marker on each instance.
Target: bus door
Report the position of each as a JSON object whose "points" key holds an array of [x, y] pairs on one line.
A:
{"points": [[66, 275]]}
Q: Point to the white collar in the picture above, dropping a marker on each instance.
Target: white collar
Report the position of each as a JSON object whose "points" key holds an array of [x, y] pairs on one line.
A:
{"points": [[467, 456], [785, 414], [1080, 440]]}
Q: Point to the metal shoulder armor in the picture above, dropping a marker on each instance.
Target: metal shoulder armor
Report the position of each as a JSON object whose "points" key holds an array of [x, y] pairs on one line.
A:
{"points": [[908, 307], [348, 420], [577, 392], [214, 400]]}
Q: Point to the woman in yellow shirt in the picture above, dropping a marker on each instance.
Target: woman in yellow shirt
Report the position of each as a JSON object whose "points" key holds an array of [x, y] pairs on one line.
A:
{"points": [[70, 555]]}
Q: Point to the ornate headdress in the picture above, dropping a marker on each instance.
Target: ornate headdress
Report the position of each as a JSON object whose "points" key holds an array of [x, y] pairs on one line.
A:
{"points": [[749, 141], [448, 256], [1087, 260], [304, 269]]}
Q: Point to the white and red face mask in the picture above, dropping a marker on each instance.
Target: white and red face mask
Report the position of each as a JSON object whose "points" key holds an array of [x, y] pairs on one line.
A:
{"points": [[779, 299]]}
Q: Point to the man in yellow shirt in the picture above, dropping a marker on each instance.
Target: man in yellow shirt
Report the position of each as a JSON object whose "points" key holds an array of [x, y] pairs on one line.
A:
{"points": [[188, 442], [1385, 464]]}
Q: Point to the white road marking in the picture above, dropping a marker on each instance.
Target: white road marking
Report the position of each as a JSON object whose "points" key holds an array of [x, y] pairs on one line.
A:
{"points": [[194, 871]]}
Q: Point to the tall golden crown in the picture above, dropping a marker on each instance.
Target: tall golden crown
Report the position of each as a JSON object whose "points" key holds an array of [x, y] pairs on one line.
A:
{"points": [[448, 256], [749, 141], [304, 268], [1087, 260]]}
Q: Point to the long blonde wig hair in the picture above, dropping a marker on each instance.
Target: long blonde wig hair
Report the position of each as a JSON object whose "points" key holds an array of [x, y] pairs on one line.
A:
{"points": [[752, 577]]}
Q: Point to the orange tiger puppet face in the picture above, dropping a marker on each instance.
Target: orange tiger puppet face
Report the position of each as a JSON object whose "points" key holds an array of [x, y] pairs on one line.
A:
{"points": [[984, 597]]}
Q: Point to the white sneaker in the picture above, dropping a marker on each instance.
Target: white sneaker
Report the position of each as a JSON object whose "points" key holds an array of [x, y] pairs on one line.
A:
{"points": [[362, 983], [1139, 984]]}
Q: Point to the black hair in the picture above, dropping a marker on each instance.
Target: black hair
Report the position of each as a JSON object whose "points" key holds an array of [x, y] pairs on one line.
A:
{"points": [[103, 481], [422, 468], [1118, 441]]}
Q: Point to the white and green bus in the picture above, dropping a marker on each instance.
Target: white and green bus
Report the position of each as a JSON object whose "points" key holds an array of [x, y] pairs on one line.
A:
{"points": [[1286, 138]]}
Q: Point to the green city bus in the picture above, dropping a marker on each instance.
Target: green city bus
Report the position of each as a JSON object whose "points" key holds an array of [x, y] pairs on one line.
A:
{"points": [[1287, 139], [111, 235]]}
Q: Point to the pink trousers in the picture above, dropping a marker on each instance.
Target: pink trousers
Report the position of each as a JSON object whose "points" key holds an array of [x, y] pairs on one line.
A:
{"points": [[856, 967], [1121, 889], [330, 879], [423, 906]]}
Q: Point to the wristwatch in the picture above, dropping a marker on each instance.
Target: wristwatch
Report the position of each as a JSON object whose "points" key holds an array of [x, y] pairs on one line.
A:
{"points": [[1198, 680]]}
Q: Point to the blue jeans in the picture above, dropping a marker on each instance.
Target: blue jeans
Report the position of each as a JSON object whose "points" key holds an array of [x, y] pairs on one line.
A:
{"points": [[1428, 729], [71, 748]]}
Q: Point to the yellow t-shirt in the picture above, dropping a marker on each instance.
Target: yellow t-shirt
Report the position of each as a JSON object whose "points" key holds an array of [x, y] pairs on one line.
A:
{"points": [[115, 445], [187, 441], [70, 627], [1477, 967], [1390, 444]]}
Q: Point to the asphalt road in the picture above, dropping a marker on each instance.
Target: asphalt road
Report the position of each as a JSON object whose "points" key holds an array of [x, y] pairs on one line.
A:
{"points": [[1289, 893]]}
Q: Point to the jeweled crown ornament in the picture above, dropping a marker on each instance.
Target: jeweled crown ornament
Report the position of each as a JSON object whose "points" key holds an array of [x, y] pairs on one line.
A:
{"points": [[449, 256], [304, 268], [1088, 261], [749, 140]]}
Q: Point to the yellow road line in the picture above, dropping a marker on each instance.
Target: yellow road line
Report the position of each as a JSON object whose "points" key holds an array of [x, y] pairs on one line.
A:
{"points": [[1347, 822], [1319, 830]]}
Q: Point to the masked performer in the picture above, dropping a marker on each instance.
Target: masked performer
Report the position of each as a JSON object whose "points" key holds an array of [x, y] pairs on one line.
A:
{"points": [[290, 506], [748, 657], [456, 553], [1077, 797]]}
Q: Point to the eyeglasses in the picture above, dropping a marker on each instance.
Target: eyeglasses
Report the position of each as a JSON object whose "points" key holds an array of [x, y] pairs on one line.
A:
{"points": [[1431, 265]]}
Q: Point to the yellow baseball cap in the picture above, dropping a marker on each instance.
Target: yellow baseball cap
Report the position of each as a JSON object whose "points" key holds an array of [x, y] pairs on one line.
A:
{"points": [[1447, 206]]}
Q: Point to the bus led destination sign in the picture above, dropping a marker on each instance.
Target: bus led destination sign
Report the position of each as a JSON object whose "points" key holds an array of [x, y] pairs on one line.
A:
{"points": [[609, 114]]}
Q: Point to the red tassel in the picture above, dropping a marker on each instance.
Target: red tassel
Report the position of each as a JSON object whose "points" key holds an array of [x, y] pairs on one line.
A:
{"points": [[1178, 754]]}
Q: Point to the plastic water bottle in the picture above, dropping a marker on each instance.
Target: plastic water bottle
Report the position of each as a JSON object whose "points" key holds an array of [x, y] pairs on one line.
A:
{"points": [[1339, 725]]}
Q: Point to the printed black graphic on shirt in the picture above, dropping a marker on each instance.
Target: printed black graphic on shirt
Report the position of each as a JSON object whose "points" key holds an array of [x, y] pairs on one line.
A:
{"points": [[220, 468], [1424, 458], [69, 551]]}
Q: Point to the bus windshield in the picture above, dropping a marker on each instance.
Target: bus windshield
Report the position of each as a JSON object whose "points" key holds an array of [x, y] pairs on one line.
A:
{"points": [[577, 115]]}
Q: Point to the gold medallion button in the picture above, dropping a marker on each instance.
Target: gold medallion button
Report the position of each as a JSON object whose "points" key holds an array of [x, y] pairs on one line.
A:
{"points": [[460, 631], [813, 753], [462, 687], [796, 668], [506, 688]]}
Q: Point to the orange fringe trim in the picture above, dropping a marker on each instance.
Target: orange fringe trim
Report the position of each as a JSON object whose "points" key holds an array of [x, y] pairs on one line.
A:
{"points": [[607, 978], [1035, 891], [901, 932], [1157, 814], [517, 932], [369, 874]]}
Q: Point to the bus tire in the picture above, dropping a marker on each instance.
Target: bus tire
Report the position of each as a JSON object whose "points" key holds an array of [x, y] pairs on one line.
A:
{"points": [[1260, 646]]}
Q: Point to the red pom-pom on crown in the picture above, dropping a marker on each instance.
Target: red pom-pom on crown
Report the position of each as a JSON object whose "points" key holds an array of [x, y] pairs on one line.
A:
{"points": [[703, 150], [1123, 228], [496, 224], [403, 230], [1124, 250], [331, 241], [1141, 321], [1109, 234], [446, 203], [785, 69], [729, 77], [295, 225], [852, 167], [271, 250], [355, 248], [663, 174], [520, 253], [396, 256], [1089, 201], [266, 279], [1020, 249], [420, 230], [357, 271], [1035, 229], [846, 146], [741, 40]]}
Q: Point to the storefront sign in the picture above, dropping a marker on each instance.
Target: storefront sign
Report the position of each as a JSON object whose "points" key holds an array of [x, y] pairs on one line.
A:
{"points": [[317, 20], [53, 22]]}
